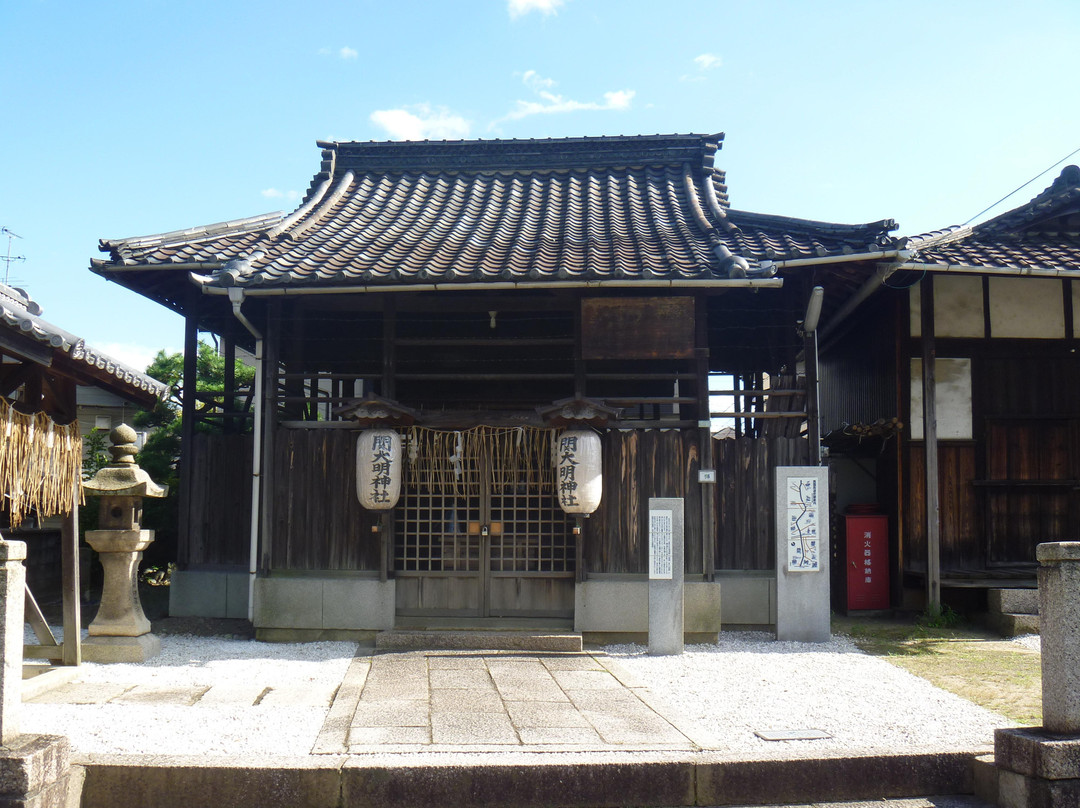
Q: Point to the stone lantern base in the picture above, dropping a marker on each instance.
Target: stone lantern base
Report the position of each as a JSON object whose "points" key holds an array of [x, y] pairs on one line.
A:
{"points": [[120, 632], [121, 649]]}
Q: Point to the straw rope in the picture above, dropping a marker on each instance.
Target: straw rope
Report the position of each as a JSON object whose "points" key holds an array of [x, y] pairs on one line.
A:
{"points": [[40, 464], [445, 460]]}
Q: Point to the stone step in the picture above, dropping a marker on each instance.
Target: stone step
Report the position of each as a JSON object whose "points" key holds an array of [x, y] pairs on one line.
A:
{"points": [[402, 640], [1013, 601]]}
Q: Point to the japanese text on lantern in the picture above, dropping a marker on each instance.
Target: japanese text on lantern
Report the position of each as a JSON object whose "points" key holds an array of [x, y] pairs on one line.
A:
{"points": [[382, 466], [802, 522], [568, 463]]}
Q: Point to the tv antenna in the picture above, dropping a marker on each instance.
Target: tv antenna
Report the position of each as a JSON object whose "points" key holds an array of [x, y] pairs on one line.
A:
{"points": [[7, 259]]}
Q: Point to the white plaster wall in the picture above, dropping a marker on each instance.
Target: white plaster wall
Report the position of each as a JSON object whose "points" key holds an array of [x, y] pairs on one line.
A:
{"points": [[958, 307], [1026, 308], [952, 397]]}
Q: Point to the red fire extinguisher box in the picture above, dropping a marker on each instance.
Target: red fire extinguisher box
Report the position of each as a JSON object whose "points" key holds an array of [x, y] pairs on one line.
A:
{"points": [[867, 540]]}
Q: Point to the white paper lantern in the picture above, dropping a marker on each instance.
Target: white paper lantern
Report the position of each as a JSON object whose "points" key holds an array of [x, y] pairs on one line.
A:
{"points": [[378, 469], [578, 477]]}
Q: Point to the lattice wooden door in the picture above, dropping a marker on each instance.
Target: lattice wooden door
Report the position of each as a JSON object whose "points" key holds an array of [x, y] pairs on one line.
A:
{"points": [[487, 539]]}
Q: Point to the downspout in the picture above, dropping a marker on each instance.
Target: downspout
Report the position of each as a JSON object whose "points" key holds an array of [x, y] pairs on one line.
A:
{"points": [[236, 298]]}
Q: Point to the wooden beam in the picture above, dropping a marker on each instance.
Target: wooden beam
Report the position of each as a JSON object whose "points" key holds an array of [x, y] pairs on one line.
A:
{"points": [[16, 377], [705, 444], [14, 343], [230, 381], [813, 421], [185, 541], [271, 361], [38, 622], [389, 387], [69, 552], [929, 392]]}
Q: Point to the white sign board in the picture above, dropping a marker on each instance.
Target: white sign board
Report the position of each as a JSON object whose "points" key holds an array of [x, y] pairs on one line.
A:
{"points": [[803, 524], [660, 529]]}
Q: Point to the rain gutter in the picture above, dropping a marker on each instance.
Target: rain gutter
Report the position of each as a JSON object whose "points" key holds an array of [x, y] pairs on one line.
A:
{"points": [[674, 283], [236, 298]]}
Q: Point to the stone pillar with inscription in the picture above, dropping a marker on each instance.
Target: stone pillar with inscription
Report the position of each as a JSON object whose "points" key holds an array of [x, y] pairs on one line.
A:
{"points": [[665, 576], [1039, 767], [802, 554]]}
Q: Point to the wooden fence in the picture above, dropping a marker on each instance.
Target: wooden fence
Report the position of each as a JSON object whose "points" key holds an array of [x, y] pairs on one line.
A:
{"points": [[318, 524], [745, 490]]}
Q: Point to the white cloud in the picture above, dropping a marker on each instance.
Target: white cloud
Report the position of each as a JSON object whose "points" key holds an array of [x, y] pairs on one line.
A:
{"points": [[344, 52], [274, 193], [551, 103], [533, 80], [704, 63], [136, 357], [421, 122], [518, 8], [707, 61]]}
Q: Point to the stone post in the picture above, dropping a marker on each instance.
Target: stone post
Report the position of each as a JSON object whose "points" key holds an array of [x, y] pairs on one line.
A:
{"points": [[802, 554], [12, 595], [120, 631], [34, 769], [665, 576], [1059, 626], [1040, 767]]}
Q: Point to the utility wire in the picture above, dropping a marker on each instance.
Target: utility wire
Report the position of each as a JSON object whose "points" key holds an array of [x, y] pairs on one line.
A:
{"points": [[1025, 185]]}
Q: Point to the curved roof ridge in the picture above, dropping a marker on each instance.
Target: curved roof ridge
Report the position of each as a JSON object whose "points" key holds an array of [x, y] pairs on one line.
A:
{"points": [[192, 235], [303, 225], [1062, 193], [882, 226]]}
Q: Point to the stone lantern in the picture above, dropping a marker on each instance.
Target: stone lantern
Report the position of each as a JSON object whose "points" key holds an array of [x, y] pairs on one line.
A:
{"points": [[120, 632]]}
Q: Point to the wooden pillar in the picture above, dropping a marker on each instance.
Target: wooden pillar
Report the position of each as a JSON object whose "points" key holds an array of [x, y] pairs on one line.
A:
{"points": [[933, 504], [705, 443], [229, 402], [579, 354], [185, 539], [271, 361], [69, 560], [813, 419], [389, 388]]}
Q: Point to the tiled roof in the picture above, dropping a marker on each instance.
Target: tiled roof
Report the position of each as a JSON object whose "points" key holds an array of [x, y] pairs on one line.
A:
{"points": [[1043, 234], [649, 207], [19, 313]]}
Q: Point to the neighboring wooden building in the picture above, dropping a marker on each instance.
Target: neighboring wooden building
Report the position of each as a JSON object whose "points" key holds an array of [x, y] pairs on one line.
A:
{"points": [[992, 309], [473, 284], [42, 368]]}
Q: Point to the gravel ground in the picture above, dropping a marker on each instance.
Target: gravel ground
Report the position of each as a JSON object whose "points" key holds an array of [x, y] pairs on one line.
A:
{"points": [[748, 682], [722, 692]]}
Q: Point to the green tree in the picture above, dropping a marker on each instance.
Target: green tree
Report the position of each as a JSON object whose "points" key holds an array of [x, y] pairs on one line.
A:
{"points": [[163, 425]]}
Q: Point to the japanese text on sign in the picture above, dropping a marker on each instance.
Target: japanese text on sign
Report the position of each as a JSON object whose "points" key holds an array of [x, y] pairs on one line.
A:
{"points": [[802, 524], [568, 464], [382, 465], [660, 550]]}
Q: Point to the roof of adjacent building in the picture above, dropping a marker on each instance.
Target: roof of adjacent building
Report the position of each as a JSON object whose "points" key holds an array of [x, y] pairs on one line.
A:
{"points": [[399, 213], [1043, 234], [33, 338]]}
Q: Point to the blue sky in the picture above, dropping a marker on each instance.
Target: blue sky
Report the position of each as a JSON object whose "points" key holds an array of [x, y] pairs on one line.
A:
{"points": [[130, 118]]}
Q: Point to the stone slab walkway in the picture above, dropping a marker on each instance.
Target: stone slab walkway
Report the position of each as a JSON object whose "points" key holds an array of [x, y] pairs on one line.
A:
{"points": [[486, 701]]}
